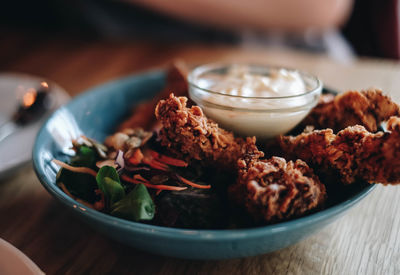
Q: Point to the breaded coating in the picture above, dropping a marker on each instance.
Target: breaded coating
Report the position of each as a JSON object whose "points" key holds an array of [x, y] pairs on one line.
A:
{"points": [[275, 190], [143, 114], [270, 190], [367, 108], [353, 153], [189, 134]]}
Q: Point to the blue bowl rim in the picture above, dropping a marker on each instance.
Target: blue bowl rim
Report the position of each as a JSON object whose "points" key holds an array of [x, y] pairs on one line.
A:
{"points": [[169, 232]]}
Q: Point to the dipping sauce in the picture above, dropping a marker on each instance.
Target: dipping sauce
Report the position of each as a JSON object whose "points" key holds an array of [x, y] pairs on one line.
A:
{"points": [[241, 82], [254, 100]]}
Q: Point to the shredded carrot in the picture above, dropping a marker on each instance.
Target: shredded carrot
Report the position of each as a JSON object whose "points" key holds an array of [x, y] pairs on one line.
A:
{"points": [[156, 162], [74, 198], [154, 186], [136, 158], [168, 160], [188, 182], [138, 182], [84, 170], [155, 165], [66, 190], [158, 192], [154, 154], [140, 178]]}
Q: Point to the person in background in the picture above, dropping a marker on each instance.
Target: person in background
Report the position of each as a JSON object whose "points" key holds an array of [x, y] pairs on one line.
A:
{"points": [[308, 24], [283, 15], [372, 26]]}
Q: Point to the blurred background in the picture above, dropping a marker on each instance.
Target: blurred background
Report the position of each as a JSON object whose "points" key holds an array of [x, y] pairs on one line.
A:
{"points": [[341, 28]]}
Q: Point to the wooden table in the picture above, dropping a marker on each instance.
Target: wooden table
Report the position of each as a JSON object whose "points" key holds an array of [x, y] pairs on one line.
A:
{"points": [[365, 241]]}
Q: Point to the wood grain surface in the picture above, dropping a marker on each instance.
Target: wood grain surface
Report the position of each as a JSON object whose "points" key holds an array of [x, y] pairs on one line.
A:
{"points": [[364, 241]]}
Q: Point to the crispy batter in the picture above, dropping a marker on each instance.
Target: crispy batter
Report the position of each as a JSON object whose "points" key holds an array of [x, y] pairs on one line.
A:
{"points": [[274, 190], [269, 189], [367, 108], [354, 153], [143, 114], [189, 134]]}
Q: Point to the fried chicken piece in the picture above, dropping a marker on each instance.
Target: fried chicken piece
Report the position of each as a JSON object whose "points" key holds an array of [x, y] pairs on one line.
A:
{"points": [[143, 114], [274, 190], [270, 190], [353, 153], [189, 134], [367, 108]]}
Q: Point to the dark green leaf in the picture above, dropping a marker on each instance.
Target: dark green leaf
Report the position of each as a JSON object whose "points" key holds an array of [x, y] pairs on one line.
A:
{"points": [[109, 172], [114, 190], [108, 182], [136, 206], [85, 156], [78, 184]]}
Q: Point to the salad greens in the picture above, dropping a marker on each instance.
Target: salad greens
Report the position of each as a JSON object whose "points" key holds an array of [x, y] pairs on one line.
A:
{"points": [[137, 205], [108, 181], [80, 185], [132, 179], [85, 156]]}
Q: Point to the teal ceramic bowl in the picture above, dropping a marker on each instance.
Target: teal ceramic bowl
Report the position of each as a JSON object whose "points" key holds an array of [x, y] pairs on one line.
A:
{"points": [[96, 113]]}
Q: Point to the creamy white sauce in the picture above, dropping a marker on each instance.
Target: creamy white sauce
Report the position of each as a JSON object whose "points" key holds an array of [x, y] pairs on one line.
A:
{"points": [[240, 82], [249, 103]]}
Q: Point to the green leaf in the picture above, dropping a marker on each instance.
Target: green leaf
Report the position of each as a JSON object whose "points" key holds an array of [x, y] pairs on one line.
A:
{"points": [[85, 156], [109, 172], [136, 206], [78, 184], [108, 182], [114, 190]]}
